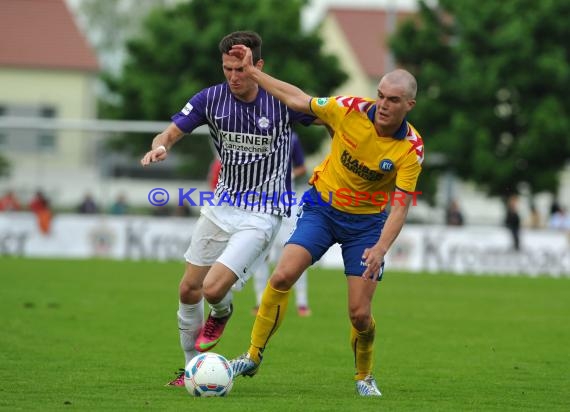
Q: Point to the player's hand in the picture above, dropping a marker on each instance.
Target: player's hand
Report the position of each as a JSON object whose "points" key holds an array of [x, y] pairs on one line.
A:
{"points": [[155, 155], [373, 259], [244, 54]]}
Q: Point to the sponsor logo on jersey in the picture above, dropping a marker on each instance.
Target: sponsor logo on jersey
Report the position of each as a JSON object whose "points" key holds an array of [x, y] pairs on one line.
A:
{"points": [[386, 165], [358, 168], [245, 142], [263, 122]]}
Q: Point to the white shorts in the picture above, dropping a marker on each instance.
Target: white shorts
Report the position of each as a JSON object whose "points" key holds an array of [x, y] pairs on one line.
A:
{"points": [[287, 228], [237, 238]]}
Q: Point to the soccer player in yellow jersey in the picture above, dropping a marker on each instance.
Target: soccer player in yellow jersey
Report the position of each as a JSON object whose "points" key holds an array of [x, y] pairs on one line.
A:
{"points": [[375, 159]]}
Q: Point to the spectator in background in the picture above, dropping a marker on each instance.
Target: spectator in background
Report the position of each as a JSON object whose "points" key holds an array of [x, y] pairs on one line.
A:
{"points": [[9, 202], [214, 172], [120, 206], [554, 206], [88, 205], [534, 220], [453, 214], [513, 221], [40, 206], [559, 219], [261, 273]]}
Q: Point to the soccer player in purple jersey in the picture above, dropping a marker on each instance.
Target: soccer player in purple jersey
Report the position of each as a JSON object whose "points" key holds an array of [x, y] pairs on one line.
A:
{"points": [[251, 131]]}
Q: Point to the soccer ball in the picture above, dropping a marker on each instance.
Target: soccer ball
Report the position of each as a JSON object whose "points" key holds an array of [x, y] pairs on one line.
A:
{"points": [[208, 374]]}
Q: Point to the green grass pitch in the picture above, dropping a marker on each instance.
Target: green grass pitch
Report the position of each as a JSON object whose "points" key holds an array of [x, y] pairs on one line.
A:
{"points": [[102, 335]]}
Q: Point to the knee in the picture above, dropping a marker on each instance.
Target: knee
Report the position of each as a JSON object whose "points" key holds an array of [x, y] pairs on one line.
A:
{"points": [[360, 318], [280, 280], [189, 292], [213, 291]]}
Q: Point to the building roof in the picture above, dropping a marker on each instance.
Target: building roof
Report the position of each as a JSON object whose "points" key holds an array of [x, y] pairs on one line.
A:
{"points": [[42, 34], [367, 31]]}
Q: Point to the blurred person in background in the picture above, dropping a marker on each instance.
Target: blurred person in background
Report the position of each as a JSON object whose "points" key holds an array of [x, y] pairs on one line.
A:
{"points": [[554, 206], [260, 276], [214, 173], [120, 206], [40, 206], [9, 202], [559, 218], [88, 205], [513, 220], [251, 132], [534, 220], [453, 214], [374, 149]]}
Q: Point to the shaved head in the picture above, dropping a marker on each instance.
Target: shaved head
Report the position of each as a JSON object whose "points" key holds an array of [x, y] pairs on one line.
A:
{"points": [[396, 97], [404, 79]]}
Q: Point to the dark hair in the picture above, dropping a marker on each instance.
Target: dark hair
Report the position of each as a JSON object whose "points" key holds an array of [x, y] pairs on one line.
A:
{"points": [[248, 38]]}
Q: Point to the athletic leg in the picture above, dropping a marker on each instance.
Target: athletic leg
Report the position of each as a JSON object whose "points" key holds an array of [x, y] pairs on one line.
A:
{"points": [[311, 239], [294, 260], [246, 247], [363, 330], [191, 308], [217, 292], [190, 314], [208, 242]]}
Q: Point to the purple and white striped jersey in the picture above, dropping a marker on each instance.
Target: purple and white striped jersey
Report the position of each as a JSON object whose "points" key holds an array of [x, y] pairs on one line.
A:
{"points": [[253, 141]]}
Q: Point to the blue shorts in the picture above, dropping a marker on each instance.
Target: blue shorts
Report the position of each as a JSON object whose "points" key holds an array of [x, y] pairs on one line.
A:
{"points": [[319, 226]]}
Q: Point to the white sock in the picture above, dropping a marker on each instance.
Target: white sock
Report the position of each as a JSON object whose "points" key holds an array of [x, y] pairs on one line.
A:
{"points": [[223, 307], [190, 321], [260, 281], [301, 287]]}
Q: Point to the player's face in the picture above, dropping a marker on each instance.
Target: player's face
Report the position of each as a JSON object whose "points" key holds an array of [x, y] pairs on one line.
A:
{"points": [[392, 105], [241, 86]]}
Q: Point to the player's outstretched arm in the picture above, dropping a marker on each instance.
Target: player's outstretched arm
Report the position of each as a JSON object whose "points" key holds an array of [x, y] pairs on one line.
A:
{"points": [[161, 144], [289, 94]]}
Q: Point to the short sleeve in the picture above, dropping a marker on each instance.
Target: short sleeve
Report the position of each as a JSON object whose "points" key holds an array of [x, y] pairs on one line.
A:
{"points": [[408, 173], [303, 118], [326, 109], [192, 115]]}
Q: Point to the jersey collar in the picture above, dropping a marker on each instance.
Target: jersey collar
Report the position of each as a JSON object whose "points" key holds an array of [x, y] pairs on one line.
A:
{"points": [[402, 131]]}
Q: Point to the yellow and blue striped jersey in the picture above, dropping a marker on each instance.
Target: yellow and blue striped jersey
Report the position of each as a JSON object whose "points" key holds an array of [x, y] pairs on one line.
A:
{"points": [[363, 168]]}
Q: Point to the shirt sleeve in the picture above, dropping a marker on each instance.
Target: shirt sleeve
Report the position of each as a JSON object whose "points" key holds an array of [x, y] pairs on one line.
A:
{"points": [[328, 110], [297, 155], [193, 114], [303, 118], [408, 173]]}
